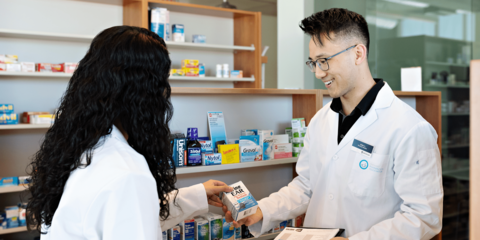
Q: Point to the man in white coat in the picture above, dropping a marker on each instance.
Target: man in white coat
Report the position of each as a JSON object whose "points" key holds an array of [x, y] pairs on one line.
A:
{"points": [[371, 164]]}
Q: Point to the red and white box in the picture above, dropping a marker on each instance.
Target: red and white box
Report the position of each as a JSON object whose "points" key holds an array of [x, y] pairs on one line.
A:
{"points": [[57, 68], [69, 67], [44, 67], [282, 150], [3, 67], [28, 66]]}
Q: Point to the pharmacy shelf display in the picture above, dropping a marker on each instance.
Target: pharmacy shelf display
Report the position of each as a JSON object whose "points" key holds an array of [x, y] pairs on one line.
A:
{"points": [[13, 189], [246, 32], [13, 230]]}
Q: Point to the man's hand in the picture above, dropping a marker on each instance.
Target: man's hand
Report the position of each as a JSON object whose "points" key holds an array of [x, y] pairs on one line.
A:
{"points": [[339, 238], [213, 188], [250, 220]]}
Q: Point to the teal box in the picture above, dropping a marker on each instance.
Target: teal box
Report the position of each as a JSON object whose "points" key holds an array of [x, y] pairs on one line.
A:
{"points": [[238, 233], [6, 108], [9, 181], [228, 230], [216, 227], [203, 229], [8, 118]]}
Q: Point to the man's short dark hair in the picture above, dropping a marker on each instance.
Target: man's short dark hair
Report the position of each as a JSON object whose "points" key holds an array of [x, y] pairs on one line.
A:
{"points": [[342, 22]]}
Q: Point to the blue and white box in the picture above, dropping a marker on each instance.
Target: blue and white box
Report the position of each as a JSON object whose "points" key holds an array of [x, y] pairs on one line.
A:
{"points": [[250, 149], [11, 215], [203, 228], [6, 108], [178, 33], [216, 125], [267, 142], [175, 233], [180, 152], [211, 159], [228, 230], [8, 118], [164, 235], [247, 132], [239, 202], [252, 139], [159, 22], [8, 181], [238, 233], [207, 146], [197, 38], [188, 232]]}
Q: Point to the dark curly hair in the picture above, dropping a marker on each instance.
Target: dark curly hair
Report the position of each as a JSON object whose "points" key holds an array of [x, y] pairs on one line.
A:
{"points": [[123, 79], [342, 22]]}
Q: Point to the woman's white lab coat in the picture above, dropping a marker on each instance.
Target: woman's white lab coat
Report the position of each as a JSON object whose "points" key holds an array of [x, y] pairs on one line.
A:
{"points": [[398, 195], [115, 198]]}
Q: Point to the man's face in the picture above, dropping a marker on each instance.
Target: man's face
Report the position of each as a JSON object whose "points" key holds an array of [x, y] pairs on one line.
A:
{"points": [[339, 78]]}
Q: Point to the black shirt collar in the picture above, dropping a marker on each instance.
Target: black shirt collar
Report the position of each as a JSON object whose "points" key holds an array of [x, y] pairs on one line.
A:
{"points": [[366, 102]]}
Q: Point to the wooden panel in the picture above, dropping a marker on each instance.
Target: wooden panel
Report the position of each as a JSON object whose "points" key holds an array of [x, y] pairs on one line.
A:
{"points": [[306, 106], [135, 13], [430, 107], [244, 91], [474, 151], [264, 59], [247, 31], [201, 9]]}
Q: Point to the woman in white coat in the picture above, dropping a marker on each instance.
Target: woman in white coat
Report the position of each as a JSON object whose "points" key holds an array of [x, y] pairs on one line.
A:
{"points": [[105, 169]]}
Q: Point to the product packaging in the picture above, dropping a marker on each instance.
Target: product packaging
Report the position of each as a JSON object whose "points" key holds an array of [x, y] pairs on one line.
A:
{"points": [[283, 225], [246, 232], [160, 22], [290, 223], [219, 71], [6, 108], [280, 138], [190, 63], [27, 116], [298, 221], [225, 71], [228, 230], [12, 216], [298, 142], [238, 233], [230, 153], [9, 58], [276, 228], [201, 70], [188, 227], [194, 148], [283, 150], [42, 119], [27, 66], [207, 146], [24, 180], [266, 140], [236, 74], [180, 152], [8, 118], [177, 72], [191, 72], [3, 67], [247, 132], [211, 159], [178, 33], [164, 235], [202, 226], [296, 151], [2, 58], [3, 220], [8, 181], [57, 68], [250, 149], [216, 229], [239, 202], [43, 67], [175, 233], [14, 67], [69, 67], [288, 131], [196, 38], [216, 126], [298, 123], [22, 220]]}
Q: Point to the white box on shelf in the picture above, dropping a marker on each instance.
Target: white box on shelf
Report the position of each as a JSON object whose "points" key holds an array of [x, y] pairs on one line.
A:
{"points": [[411, 79]]}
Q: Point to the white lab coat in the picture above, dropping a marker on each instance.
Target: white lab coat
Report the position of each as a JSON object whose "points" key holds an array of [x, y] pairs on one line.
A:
{"points": [[115, 198], [400, 194]]}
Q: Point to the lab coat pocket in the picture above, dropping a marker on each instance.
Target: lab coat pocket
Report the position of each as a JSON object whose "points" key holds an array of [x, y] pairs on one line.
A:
{"points": [[367, 177]]}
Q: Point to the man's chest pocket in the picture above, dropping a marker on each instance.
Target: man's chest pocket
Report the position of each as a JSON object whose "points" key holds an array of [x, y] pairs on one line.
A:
{"points": [[367, 177]]}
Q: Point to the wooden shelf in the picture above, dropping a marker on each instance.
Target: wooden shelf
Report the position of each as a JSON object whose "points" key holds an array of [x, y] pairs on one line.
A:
{"points": [[24, 126], [215, 168], [45, 36], [13, 230], [13, 189], [187, 45]]}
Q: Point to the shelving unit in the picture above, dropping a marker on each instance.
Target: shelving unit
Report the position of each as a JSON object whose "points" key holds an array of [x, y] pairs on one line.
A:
{"points": [[11, 33], [13, 189], [24, 126], [13, 230], [187, 45]]}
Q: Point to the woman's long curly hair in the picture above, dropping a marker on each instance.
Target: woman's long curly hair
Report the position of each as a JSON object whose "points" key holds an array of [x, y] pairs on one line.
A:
{"points": [[123, 79]]}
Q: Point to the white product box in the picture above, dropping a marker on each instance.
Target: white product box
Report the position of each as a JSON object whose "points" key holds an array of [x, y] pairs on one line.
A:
{"points": [[266, 142], [281, 138], [3, 67], [202, 228], [14, 67], [211, 159], [240, 201], [28, 66]]}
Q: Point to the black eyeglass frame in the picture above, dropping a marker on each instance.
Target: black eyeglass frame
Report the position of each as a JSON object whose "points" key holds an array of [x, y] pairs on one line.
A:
{"points": [[310, 65]]}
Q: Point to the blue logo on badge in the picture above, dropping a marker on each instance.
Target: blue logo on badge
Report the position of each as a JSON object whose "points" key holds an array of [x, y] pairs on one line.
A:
{"points": [[363, 164]]}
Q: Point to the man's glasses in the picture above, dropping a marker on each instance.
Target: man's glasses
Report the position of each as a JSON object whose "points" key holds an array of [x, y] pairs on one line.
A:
{"points": [[322, 63]]}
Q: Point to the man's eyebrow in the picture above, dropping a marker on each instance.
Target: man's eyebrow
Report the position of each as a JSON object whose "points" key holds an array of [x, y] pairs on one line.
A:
{"points": [[321, 55]]}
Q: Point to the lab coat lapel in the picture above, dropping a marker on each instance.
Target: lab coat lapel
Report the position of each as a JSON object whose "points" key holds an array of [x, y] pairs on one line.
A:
{"points": [[384, 99]]}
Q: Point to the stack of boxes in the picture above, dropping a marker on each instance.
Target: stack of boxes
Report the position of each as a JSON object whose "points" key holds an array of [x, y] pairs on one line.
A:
{"points": [[10, 63], [298, 132], [6, 114]]}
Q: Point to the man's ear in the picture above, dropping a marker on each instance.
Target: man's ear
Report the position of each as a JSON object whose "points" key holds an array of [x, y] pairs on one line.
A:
{"points": [[360, 54]]}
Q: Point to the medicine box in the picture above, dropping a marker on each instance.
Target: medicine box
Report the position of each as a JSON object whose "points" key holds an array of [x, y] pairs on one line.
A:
{"points": [[8, 118], [239, 202], [266, 141], [298, 123], [57, 68], [282, 150], [180, 152], [9, 181], [207, 146], [247, 132], [197, 38], [228, 230], [9, 58], [188, 232], [69, 67], [280, 138], [201, 70], [202, 226], [211, 159], [22, 221], [190, 63], [250, 153], [216, 229], [236, 74], [178, 33], [6, 108], [2, 58], [177, 72], [164, 235], [24, 180], [175, 233], [28, 66], [12, 216], [191, 72], [238, 233], [3, 67], [160, 22], [230, 153], [14, 67], [42, 119], [27, 116], [43, 67]]}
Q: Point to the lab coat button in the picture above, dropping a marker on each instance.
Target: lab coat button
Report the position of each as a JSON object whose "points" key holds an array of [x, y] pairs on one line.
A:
{"points": [[330, 196], [335, 157]]}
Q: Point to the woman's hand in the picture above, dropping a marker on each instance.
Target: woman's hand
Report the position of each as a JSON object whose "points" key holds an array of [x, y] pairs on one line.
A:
{"points": [[213, 188]]}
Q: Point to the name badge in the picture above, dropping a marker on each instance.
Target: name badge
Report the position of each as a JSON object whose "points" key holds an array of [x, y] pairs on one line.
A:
{"points": [[362, 148]]}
